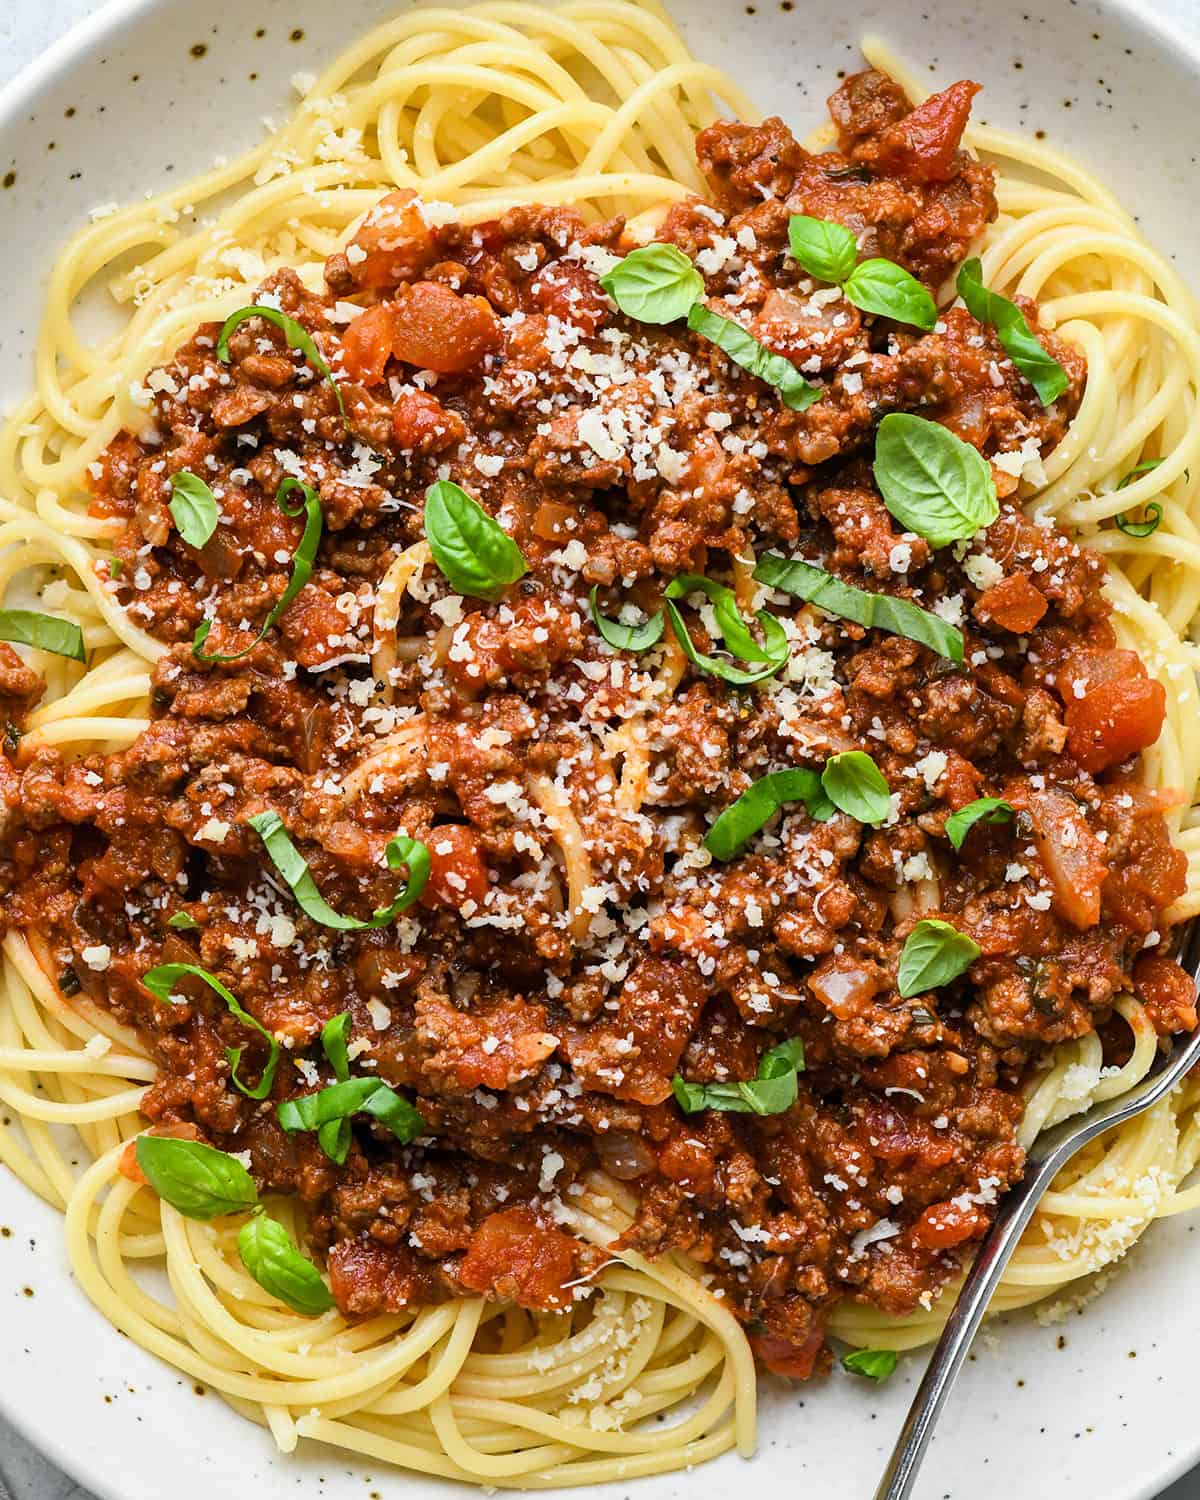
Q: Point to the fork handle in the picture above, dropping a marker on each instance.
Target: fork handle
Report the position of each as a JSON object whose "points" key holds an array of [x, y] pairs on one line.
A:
{"points": [[995, 1250]]}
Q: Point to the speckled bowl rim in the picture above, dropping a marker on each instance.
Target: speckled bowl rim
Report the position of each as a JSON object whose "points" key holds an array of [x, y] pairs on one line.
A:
{"points": [[15, 97]]}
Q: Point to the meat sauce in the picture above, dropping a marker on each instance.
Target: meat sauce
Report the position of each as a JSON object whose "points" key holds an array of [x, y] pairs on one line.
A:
{"points": [[617, 455]]}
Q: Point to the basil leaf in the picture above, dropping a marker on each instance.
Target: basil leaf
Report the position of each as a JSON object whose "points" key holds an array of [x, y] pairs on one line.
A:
{"points": [[872, 1364], [297, 337], [303, 559], [197, 1180], [654, 284], [888, 290], [719, 668], [934, 953], [1140, 468], [183, 921], [824, 249], [268, 1254], [194, 507], [626, 637], [30, 628], [161, 981], [742, 819], [333, 1106], [983, 809], [745, 350], [1018, 340], [770, 1092], [337, 1102], [292, 865], [876, 611], [734, 631], [931, 481], [855, 784], [476, 554]]}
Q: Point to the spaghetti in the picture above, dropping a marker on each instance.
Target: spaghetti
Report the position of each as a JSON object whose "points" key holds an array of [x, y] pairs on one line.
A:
{"points": [[593, 104]]}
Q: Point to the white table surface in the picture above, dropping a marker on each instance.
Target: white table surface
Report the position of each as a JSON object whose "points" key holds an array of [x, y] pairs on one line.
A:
{"points": [[27, 27]]}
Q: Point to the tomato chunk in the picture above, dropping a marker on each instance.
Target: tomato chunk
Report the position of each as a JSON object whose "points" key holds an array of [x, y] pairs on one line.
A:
{"points": [[393, 244], [571, 293], [457, 872], [1014, 604], [1114, 721], [1167, 993], [944, 1225], [1073, 857], [437, 329], [421, 424], [512, 1256], [782, 1357], [367, 344], [924, 143], [1089, 668]]}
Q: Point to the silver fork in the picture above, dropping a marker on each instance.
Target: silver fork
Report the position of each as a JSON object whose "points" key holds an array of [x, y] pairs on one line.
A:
{"points": [[1048, 1154]]}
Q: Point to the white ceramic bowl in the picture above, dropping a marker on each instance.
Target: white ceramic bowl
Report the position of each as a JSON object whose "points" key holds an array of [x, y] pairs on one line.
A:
{"points": [[1101, 1406]]}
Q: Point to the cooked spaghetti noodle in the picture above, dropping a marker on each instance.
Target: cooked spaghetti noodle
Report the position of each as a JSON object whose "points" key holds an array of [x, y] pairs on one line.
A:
{"points": [[593, 104]]}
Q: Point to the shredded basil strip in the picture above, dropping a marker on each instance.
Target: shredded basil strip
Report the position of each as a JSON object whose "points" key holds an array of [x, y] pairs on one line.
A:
{"points": [[297, 337], [291, 864], [161, 981], [773, 1089], [855, 785], [983, 809], [872, 1364], [1020, 343], [876, 611], [742, 819], [267, 1252], [334, 1136], [28, 627], [303, 559], [745, 350], [183, 921], [194, 508], [824, 248], [198, 1181], [889, 291], [734, 631], [725, 670], [931, 481], [1144, 527], [623, 637], [934, 953], [654, 284], [352, 1096], [476, 554]]}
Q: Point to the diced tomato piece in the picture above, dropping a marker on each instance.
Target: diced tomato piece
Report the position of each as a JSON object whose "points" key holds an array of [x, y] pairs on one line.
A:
{"points": [[1071, 854], [395, 240], [1089, 668], [782, 1357], [457, 872], [944, 1225], [923, 144], [571, 293], [421, 424], [1014, 604], [437, 329], [367, 344], [1114, 721], [512, 1256], [1167, 992]]}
